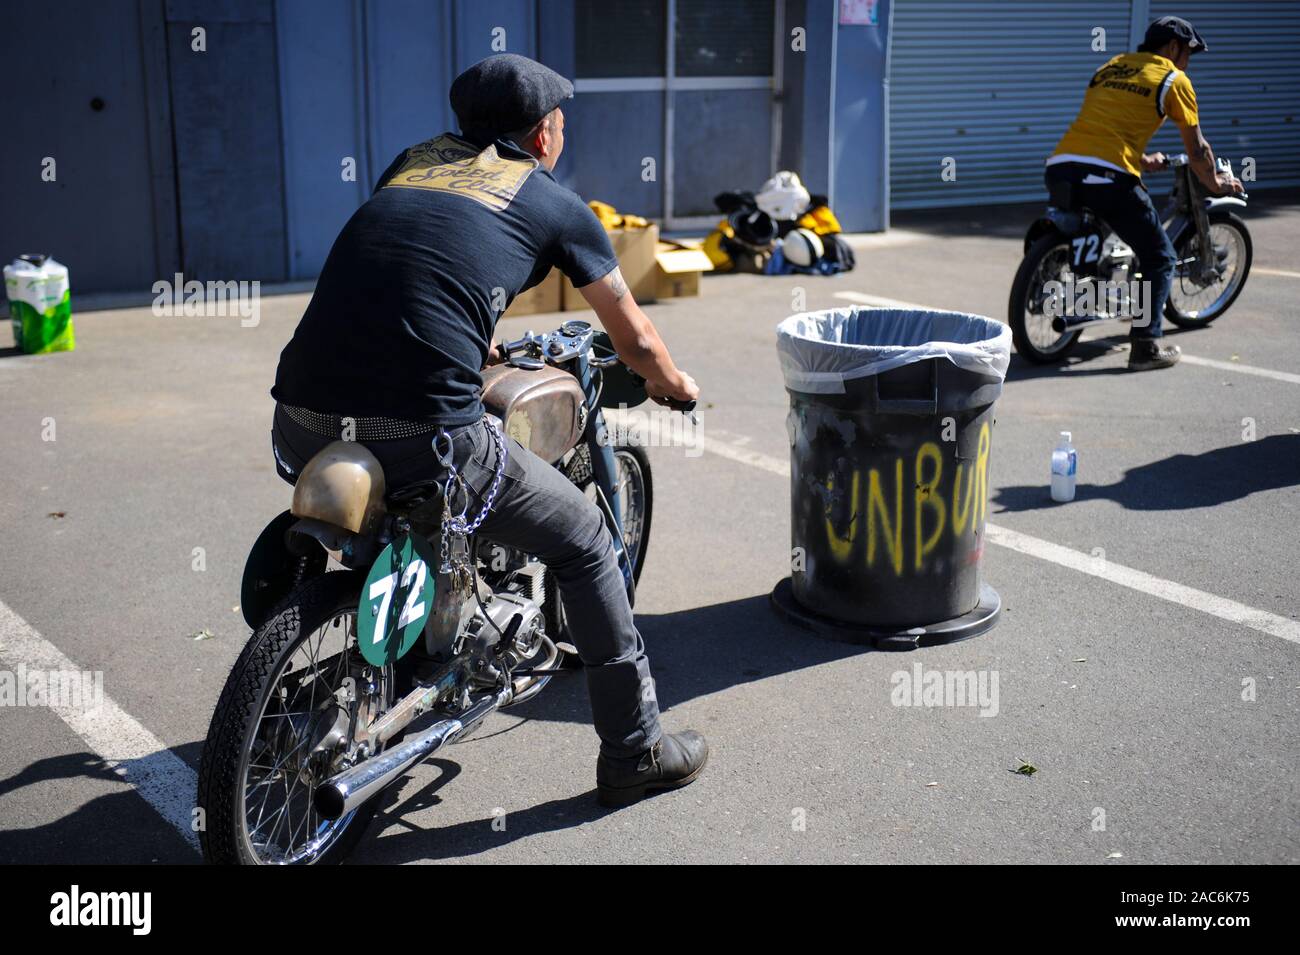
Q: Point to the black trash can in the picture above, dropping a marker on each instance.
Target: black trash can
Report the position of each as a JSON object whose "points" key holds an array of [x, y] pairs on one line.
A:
{"points": [[891, 435]]}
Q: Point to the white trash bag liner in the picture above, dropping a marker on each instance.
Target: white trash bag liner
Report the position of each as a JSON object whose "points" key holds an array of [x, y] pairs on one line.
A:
{"points": [[820, 351]]}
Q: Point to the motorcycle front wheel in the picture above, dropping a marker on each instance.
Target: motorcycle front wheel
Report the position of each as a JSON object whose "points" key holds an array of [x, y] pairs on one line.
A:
{"points": [[283, 725], [1048, 260], [1193, 302]]}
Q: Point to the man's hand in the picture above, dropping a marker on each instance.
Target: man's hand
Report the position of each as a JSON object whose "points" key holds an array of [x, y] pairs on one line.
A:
{"points": [[683, 388], [1228, 185], [1154, 162]]}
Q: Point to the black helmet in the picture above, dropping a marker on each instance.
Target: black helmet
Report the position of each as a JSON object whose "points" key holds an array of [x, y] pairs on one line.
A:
{"points": [[1163, 30]]}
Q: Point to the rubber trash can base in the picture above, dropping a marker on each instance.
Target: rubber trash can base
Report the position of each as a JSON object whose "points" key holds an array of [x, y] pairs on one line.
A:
{"points": [[972, 624]]}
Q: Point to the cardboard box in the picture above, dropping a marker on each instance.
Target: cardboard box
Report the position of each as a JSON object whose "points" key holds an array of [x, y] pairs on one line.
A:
{"points": [[546, 296], [678, 267], [635, 249]]}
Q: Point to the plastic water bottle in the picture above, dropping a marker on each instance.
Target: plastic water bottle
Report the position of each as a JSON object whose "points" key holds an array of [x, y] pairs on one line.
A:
{"points": [[1065, 461]]}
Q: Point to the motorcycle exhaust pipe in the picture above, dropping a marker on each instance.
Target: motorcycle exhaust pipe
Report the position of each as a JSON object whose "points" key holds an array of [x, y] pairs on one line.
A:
{"points": [[353, 787]]}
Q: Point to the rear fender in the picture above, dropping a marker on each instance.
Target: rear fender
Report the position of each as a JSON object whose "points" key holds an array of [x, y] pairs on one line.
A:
{"points": [[1085, 235], [1066, 224], [271, 567]]}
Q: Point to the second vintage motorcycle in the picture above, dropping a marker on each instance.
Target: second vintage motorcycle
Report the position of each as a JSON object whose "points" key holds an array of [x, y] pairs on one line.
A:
{"points": [[1072, 256]]}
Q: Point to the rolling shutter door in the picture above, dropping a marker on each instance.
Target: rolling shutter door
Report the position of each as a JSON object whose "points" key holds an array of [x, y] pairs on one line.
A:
{"points": [[994, 86], [1247, 86]]}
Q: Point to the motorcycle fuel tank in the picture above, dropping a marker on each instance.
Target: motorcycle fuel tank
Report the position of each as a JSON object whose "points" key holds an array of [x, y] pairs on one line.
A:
{"points": [[543, 410]]}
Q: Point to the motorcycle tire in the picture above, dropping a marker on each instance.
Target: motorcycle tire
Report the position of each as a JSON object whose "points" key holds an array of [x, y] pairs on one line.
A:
{"points": [[1017, 304], [1217, 217], [223, 766]]}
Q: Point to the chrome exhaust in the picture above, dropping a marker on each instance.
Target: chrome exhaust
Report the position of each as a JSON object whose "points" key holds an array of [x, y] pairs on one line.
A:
{"points": [[352, 788]]}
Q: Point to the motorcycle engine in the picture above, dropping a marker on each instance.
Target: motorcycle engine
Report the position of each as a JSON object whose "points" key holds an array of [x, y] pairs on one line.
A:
{"points": [[511, 609]]}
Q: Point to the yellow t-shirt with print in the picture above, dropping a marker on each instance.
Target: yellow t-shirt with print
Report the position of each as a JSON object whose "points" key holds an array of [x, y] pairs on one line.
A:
{"points": [[1126, 101]]}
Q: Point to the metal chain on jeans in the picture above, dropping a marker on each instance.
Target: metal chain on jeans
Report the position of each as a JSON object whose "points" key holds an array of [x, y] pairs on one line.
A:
{"points": [[455, 528]]}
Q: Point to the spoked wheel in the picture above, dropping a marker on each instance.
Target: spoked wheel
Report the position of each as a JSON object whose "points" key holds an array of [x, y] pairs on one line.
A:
{"points": [[1048, 260], [285, 723], [1197, 296]]}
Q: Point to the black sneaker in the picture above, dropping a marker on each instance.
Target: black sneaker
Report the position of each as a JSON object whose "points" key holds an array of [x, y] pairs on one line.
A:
{"points": [[673, 762], [1147, 353]]}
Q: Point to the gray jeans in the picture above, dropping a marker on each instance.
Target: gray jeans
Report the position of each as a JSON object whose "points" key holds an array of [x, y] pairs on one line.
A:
{"points": [[541, 513]]}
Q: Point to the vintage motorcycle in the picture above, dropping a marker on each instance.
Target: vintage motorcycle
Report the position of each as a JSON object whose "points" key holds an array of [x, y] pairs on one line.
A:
{"points": [[1072, 257], [365, 620]]}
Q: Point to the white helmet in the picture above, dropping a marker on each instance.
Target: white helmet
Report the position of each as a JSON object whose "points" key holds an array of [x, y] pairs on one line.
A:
{"points": [[783, 197], [802, 247]]}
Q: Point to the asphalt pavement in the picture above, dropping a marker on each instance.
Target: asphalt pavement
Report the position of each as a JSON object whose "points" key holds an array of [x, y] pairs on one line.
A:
{"points": [[1155, 689]]}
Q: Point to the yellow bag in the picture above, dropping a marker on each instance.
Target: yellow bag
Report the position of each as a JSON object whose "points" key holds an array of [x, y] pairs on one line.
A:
{"points": [[820, 220], [713, 246], [611, 219]]}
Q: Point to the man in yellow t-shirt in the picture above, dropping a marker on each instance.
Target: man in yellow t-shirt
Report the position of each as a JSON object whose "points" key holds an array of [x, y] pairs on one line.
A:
{"points": [[1102, 156]]}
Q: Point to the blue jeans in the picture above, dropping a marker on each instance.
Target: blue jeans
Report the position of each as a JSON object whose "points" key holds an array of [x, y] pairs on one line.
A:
{"points": [[539, 511], [1125, 206]]}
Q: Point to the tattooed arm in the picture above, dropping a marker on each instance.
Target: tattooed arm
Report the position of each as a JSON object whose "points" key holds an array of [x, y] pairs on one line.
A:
{"points": [[1201, 157], [636, 340]]}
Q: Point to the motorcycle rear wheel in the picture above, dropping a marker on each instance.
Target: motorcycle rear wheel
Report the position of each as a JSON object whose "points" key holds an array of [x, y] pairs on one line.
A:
{"points": [[1047, 260], [257, 710]]}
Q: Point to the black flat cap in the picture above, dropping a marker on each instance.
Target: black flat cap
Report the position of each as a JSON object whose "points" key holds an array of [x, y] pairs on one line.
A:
{"points": [[504, 93], [1161, 31]]}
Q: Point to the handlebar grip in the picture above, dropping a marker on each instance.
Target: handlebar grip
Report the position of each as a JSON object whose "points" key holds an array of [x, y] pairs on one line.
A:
{"points": [[685, 407]]}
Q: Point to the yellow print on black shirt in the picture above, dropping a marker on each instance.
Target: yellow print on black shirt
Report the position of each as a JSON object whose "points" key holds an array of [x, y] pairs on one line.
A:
{"points": [[451, 165]]}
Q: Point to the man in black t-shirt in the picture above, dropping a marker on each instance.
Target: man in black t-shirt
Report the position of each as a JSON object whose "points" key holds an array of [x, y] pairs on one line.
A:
{"points": [[402, 323]]}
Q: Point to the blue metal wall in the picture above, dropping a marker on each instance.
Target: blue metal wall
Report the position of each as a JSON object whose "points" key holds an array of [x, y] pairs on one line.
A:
{"points": [[365, 79], [228, 163], [859, 162], [226, 133], [78, 93]]}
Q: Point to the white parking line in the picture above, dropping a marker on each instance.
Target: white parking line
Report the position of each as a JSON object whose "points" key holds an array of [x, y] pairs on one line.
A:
{"points": [[877, 302], [863, 299], [1272, 624], [1244, 369], [164, 780], [1282, 272]]}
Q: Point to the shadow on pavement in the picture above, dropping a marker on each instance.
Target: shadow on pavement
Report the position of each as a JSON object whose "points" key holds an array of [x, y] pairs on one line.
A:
{"points": [[692, 653], [1183, 481], [118, 828]]}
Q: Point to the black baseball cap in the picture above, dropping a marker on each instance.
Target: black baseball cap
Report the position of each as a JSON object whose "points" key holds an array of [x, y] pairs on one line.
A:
{"points": [[504, 93], [1165, 29]]}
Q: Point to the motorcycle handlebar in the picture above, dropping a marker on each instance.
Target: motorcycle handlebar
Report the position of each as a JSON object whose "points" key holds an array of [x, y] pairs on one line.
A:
{"points": [[685, 407]]}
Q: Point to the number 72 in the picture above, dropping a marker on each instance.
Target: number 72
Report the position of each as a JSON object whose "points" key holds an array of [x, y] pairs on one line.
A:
{"points": [[412, 610]]}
